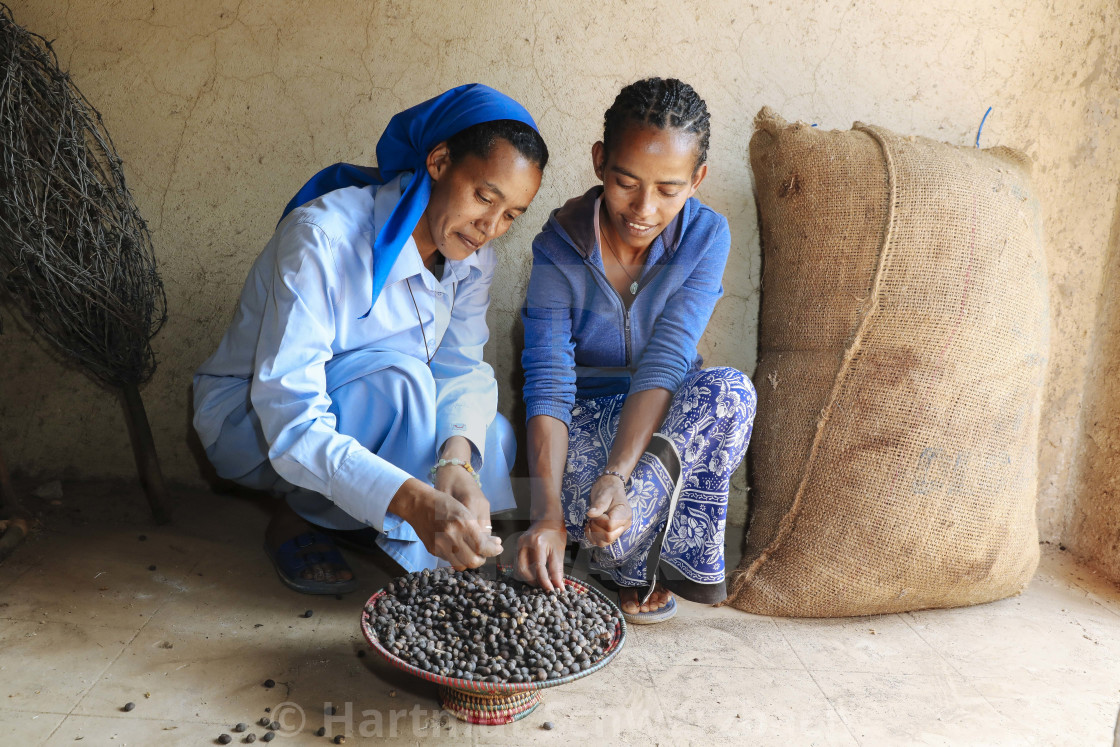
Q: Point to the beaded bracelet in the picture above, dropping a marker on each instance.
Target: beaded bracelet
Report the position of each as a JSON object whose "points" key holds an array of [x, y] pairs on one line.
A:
{"points": [[458, 463], [625, 480]]}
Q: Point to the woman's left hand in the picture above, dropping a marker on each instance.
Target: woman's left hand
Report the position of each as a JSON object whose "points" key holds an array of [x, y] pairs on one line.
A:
{"points": [[609, 513]]}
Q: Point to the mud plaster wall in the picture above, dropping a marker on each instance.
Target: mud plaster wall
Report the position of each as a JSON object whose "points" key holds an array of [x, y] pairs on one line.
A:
{"points": [[221, 108], [1093, 523]]}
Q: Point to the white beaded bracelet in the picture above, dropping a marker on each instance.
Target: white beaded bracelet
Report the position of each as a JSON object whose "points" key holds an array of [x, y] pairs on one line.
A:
{"points": [[458, 463]]}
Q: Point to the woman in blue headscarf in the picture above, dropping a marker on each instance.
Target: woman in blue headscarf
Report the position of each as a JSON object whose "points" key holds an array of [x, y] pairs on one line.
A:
{"points": [[351, 381]]}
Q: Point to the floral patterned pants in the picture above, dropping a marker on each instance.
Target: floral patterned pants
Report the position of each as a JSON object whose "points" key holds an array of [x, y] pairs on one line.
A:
{"points": [[709, 421]]}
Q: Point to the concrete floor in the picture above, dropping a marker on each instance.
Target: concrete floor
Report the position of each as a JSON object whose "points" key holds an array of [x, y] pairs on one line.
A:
{"points": [[86, 626]]}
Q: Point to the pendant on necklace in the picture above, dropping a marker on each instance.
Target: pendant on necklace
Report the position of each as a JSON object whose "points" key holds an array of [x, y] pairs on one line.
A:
{"points": [[634, 288]]}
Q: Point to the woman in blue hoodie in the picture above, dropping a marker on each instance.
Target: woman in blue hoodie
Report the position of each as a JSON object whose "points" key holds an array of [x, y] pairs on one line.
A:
{"points": [[631, 443]]}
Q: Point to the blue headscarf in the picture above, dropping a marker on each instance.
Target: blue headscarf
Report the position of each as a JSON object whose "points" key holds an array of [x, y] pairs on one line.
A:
{"points": [[404, 146]]}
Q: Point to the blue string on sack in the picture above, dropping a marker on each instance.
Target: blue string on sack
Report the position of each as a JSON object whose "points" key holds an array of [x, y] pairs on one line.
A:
{"points": [[981, 127]]}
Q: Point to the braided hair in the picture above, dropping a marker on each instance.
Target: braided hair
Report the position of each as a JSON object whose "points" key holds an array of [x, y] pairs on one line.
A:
{"points": [[664, 103]]}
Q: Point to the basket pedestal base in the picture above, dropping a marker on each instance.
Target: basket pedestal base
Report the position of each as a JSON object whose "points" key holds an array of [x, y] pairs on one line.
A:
{"points": [[481, 708]]}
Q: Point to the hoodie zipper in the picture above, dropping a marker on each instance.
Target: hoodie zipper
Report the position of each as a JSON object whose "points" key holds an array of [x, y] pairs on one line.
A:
{"points": [[622, 305]]}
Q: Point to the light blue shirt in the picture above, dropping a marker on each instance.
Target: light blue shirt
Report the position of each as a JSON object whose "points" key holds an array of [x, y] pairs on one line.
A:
{"points": [[301, 307]]}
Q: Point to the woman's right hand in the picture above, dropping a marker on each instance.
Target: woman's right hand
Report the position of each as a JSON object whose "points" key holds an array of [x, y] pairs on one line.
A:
{"points": [[608, 513], [448, 529], [540, 554]]}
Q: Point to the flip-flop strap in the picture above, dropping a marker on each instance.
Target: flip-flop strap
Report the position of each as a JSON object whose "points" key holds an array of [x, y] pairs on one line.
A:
{"points": [[294, 558], [662, 448], [290, 559], [307, 539]]}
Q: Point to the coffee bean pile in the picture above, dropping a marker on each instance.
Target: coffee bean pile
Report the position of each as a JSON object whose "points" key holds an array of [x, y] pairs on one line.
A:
{"points": [[458, 624]]}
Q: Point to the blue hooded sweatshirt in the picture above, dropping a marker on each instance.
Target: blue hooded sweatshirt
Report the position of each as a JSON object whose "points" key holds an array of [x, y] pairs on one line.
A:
{"points": [[581, 340]]}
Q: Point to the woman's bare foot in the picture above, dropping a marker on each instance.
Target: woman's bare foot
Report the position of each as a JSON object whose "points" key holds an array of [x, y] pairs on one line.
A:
{"points": [[629, 599], [286, 524]]}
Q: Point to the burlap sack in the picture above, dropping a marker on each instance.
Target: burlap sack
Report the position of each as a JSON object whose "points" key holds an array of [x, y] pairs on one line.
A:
{"points": [[902, 354]]}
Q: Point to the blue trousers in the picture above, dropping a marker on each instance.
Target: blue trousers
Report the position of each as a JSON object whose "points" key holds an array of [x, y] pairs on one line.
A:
{"points": [[386, 401], [709, 421]]}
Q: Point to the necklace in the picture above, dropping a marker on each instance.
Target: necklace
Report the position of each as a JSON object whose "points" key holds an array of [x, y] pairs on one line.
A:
{"points": [[423, 334], [439, 267], [633, 280]]}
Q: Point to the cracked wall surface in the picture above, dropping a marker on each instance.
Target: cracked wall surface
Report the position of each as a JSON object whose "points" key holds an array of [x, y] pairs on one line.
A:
{"points": [[221, 109]]}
